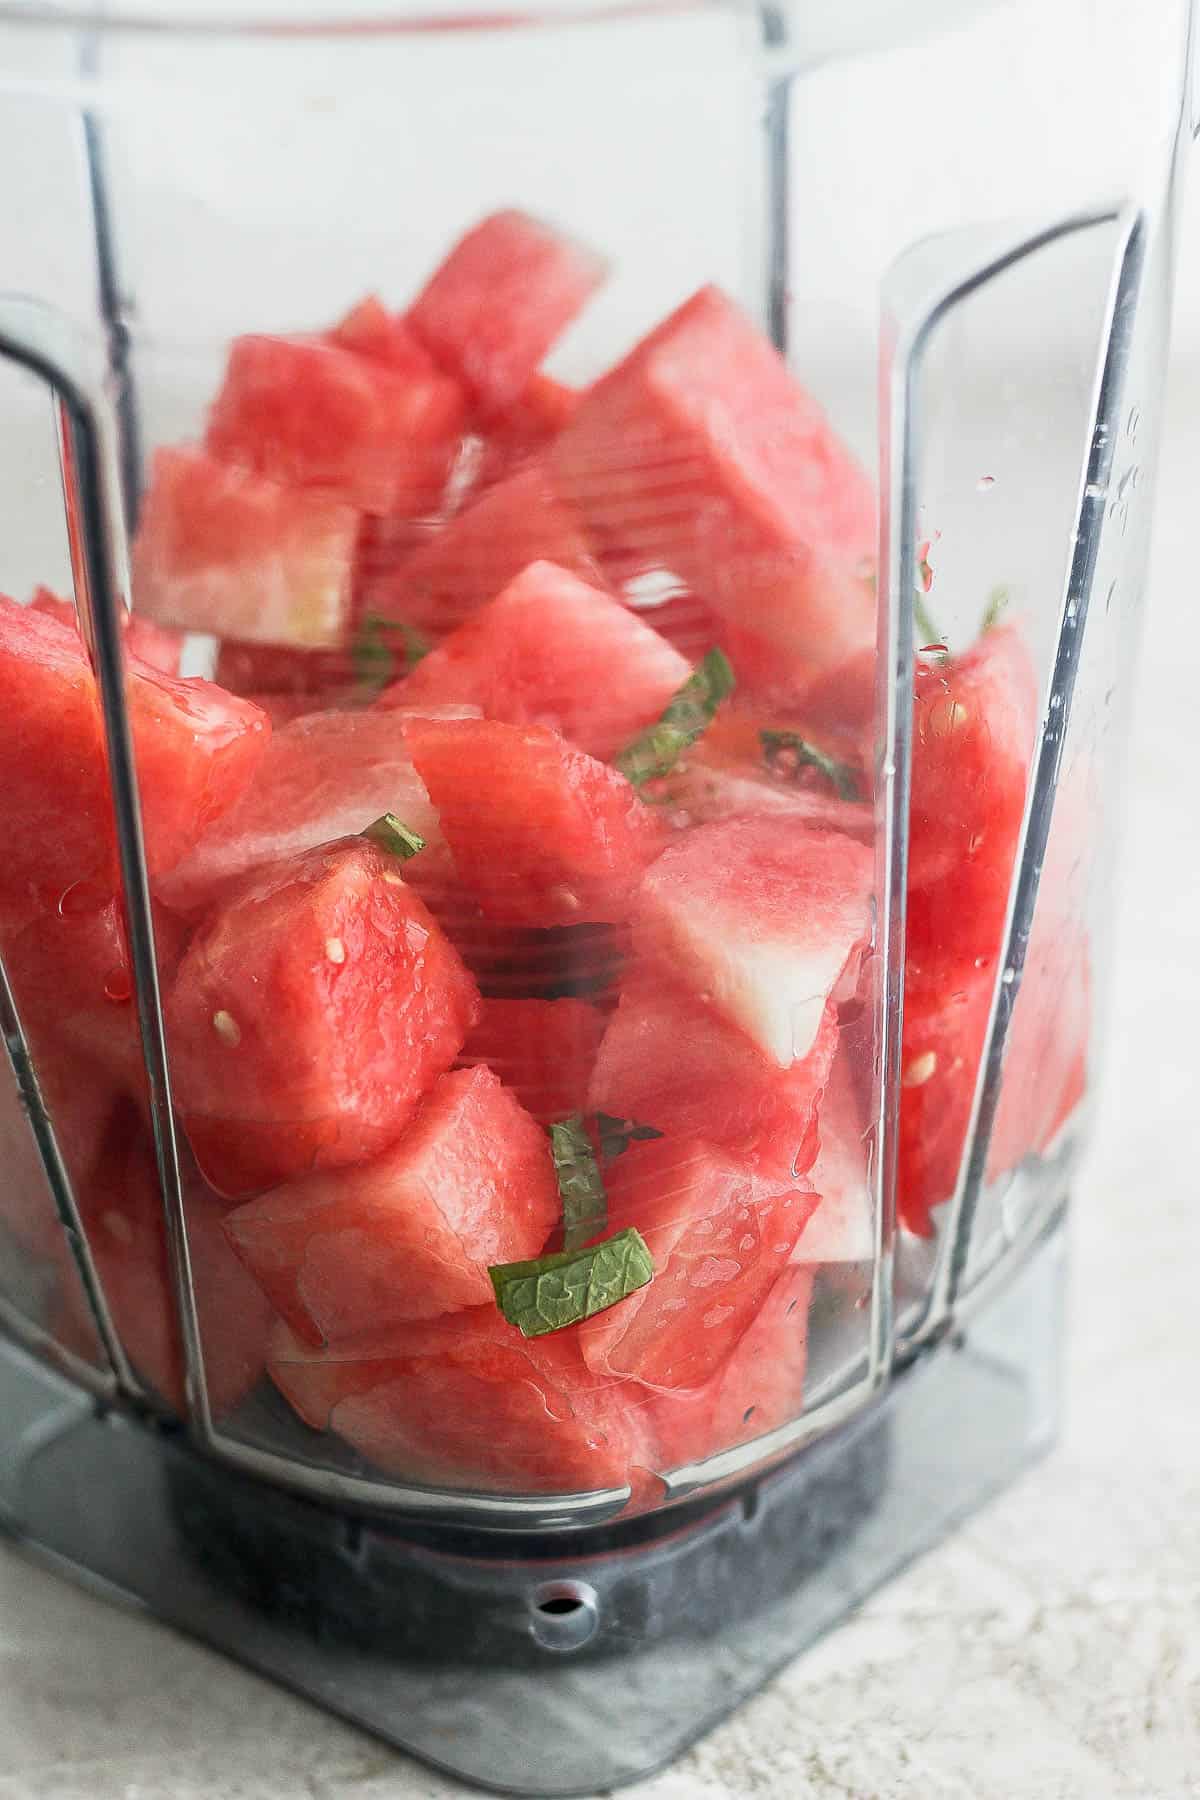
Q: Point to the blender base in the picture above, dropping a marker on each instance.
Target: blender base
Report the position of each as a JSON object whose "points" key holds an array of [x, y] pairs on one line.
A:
{"points": [[532, 1669]]}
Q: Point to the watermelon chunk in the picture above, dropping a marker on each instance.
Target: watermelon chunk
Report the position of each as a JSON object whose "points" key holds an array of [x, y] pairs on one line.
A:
{"points": [[519, 521], [757, 1389], [699, 453], [670, 1061], [325, 776], [720, 1235], [540, 833], [974, 722], [842, 1228], [497, 303], [123, 1217], [317, 678], [82, 1103], [155, 645], [352, 1252], [763, 916], [309, 1015], [369, 329], [223, 550], [551, 650], [466, 1400], [542, 409], [542, 1049], [310, 414], [196, 749]]}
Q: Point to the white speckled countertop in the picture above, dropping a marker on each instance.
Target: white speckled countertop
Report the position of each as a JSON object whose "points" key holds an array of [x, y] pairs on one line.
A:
{"points": [[1049, 1651]]}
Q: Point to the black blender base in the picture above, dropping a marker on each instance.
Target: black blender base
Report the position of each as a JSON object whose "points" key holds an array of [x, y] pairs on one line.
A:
{"points": [[534, 1668]]}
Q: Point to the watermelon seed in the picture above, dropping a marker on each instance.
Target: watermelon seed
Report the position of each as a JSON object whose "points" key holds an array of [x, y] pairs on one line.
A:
{"points": [[335, 950], [920, 1069], [118, 1226], [227, 1028]]}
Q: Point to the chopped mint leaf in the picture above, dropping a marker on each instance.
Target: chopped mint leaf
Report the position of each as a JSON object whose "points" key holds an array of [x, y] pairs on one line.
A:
{"points": [[616, 1135], [394, 836], [580, 1183], [786, 752], [997, 603], [928, 630], [386, 649], [554, 1291], [655, 751]]}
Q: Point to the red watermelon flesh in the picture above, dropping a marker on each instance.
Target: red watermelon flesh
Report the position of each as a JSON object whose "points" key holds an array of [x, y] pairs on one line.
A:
{"points": [[757, 1389], [124, 1219], [309, 1014], [309, 414], [704, 788], [318, 678], [842, 1228], [701, 454], [669, 1061], [81, 1102], [370, 330], [974, 723], [325, 776], [540, 833], [224, 550], [155, 645], [762, 916], [466, 1400], [352, 1252], [542, 1049], [196, 748], [519, 521], [552, 650], [542, 409], [501, 298], [720, 1234]]}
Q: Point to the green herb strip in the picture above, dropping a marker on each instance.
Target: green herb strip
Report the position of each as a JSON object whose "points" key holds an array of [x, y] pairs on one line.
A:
{"points": [[555, 1291], [580, 1183], [655, 751], [786, 752], [926, 627], [394, 836], [384, 650], [997, 605], [616, 1135]]}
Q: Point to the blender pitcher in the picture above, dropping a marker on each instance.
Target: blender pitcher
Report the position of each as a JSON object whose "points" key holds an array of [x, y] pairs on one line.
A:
{"points": [[570, 581]]}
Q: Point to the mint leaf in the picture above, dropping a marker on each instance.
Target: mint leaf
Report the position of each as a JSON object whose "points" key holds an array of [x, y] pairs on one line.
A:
{"points": [[616, 1135], [384, 650], [580, 1183], [394, 836], [997, 603], [786, 753], [928, 630], [655, 751], [555, 1291]]}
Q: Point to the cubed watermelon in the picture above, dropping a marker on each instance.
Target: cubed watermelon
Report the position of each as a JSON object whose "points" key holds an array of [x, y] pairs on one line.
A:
{"points": [[497, 303], [312, 415], [552, 650], [517, 522], [309, 1014], [974, 722], [763, 916], [314, 679], [466, 1400], [543, 1050], [224, 550], [671, 1061], [124, 1220], [542, 409], [757, 1389], [369, 329], [541, 834], [720, 1234], [197, 748], [82, 1103], [352, 1252], [156, 646], [701, 454], [325, 776]]}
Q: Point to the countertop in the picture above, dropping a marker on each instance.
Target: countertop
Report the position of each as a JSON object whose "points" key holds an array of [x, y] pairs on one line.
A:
{"points": [[1049, 1651]]}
